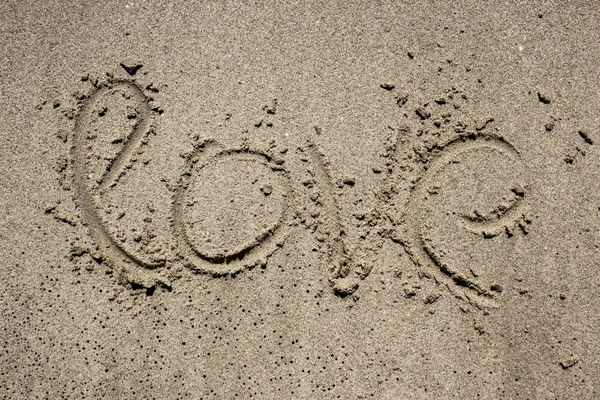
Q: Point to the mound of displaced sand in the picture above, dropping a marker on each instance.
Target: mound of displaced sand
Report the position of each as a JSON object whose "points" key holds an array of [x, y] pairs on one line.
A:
{"points": [[302, 201]]}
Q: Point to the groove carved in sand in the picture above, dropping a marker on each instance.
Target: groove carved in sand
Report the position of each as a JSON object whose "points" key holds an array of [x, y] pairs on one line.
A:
{"points": [[423, 253], [220, 259], [86, 188], [336, 251]]}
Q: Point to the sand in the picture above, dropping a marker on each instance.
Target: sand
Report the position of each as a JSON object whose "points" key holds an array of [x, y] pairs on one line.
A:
{"points": [[310, 200]]}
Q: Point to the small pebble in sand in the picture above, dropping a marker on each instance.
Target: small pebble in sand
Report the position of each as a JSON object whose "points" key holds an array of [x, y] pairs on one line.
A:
{"points": [[131, 67], [267, 190], [422, 113], [544, 98], [586, 137]]}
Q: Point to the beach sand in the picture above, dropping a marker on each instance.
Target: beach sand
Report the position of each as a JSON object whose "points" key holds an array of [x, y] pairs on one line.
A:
{"points": [[300, 200]]}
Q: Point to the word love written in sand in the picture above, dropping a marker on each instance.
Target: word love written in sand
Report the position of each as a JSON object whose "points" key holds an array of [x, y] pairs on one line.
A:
{"points": [[233, 207]]}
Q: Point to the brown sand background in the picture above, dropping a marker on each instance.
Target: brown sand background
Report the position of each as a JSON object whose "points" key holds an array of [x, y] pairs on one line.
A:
{"points": [[310, 200]]}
